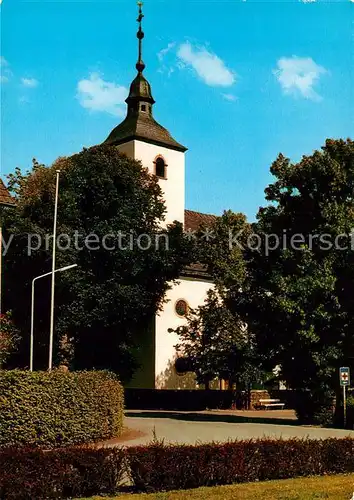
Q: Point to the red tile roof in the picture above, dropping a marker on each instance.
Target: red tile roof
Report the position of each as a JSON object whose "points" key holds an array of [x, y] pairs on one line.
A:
{"points": [[5, 197], [193, 220]]}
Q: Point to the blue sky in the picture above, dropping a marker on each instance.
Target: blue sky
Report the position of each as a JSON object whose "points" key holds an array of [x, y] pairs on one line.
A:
{"points": [[237, 82]]}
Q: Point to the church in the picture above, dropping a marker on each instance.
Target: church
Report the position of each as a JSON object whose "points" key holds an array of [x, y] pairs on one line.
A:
{"points": [[139, 136]]}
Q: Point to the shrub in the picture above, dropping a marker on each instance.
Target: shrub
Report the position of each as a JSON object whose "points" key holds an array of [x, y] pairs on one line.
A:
{"points": [[77, 472], [314, 407], [37, 474], [186, 400], [59, 408], [339, 417], [9, 337], [158, 467], [350, 412]]}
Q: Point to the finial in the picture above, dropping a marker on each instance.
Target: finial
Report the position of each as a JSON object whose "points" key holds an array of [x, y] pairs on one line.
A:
{"points": [[140, 66]]}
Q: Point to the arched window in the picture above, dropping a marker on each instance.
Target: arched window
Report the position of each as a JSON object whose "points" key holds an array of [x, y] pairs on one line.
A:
{"points": [[160, 167]]}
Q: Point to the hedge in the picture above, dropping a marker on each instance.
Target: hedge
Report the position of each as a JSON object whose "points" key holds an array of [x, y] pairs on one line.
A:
{"points": [[59, 408], [186, 400], [196, 399], [64, 473], [61, 473], [163, 468]]}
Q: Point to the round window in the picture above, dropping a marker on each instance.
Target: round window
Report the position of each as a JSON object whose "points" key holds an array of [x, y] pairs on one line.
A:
{"points": [[181, 307]]}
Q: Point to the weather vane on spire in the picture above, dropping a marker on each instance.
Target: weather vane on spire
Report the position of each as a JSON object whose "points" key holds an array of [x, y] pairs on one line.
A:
{"points": [[140, 66]]}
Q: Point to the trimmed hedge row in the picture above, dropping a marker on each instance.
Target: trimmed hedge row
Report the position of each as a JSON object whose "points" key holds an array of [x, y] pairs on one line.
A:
{"points": [[194, 400], [59, 408], [27, 474], [163, 468], [63, 473], [186, 400]]}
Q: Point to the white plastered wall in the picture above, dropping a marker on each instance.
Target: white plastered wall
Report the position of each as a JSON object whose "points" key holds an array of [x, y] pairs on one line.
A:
{"points": [[173, 186], [194, 292], [127, 148]]}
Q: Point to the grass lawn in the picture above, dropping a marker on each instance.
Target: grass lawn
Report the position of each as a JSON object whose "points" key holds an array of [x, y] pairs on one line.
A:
{"points": [[339, 487]]}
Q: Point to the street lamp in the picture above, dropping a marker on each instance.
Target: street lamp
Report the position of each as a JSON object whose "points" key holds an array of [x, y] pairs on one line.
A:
{"points": [[51, 333], [32, 306]]}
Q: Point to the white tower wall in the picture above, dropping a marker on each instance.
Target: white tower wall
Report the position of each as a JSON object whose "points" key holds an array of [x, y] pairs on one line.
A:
{"points": [[194, 292], [173, 186]]}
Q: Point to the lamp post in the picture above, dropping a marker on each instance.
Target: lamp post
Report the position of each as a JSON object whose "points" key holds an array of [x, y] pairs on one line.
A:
{"points": [[32, 307], [51, 333]]}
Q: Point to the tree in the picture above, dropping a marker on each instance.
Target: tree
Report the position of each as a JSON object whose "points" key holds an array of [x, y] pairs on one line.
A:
{"points": [[221, 249], [299, 295], [215, 343], [109, 223]]}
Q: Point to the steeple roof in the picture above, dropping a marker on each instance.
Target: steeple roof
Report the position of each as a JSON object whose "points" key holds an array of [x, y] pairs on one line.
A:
{"points": [[140, 88], [144, 128], [5, 197], [139, 123]]}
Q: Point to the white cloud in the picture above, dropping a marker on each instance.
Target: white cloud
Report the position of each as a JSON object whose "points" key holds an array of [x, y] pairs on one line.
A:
{"points": [[5, 72], [164, 51], [29, 82], [208, 66], [298, 75], [229, 97], [99, 95], [166, 69]]}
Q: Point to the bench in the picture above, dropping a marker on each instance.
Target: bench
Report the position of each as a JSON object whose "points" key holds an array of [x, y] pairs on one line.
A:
{"points": [[270, 403]]}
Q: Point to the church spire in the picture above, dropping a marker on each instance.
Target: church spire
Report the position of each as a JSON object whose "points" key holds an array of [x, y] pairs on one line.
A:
{"points": [[140, 96], [139, 123], [140, 66]]}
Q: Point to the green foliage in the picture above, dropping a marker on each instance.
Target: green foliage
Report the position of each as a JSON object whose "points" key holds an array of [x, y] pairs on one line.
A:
{"points": [[28, 474], [59, 408], [315, 407], [350, 401], [9, 337], [185, 400], [159, 467], [223, 253], [103, 305], [216, 343], [298, 299]]}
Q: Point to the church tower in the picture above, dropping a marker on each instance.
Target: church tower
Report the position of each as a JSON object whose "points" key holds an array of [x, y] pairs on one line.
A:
{"points": [[140, 137]]}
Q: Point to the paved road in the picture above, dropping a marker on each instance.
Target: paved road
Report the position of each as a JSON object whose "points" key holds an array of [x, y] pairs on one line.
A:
{"points": [[192, 427]]}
